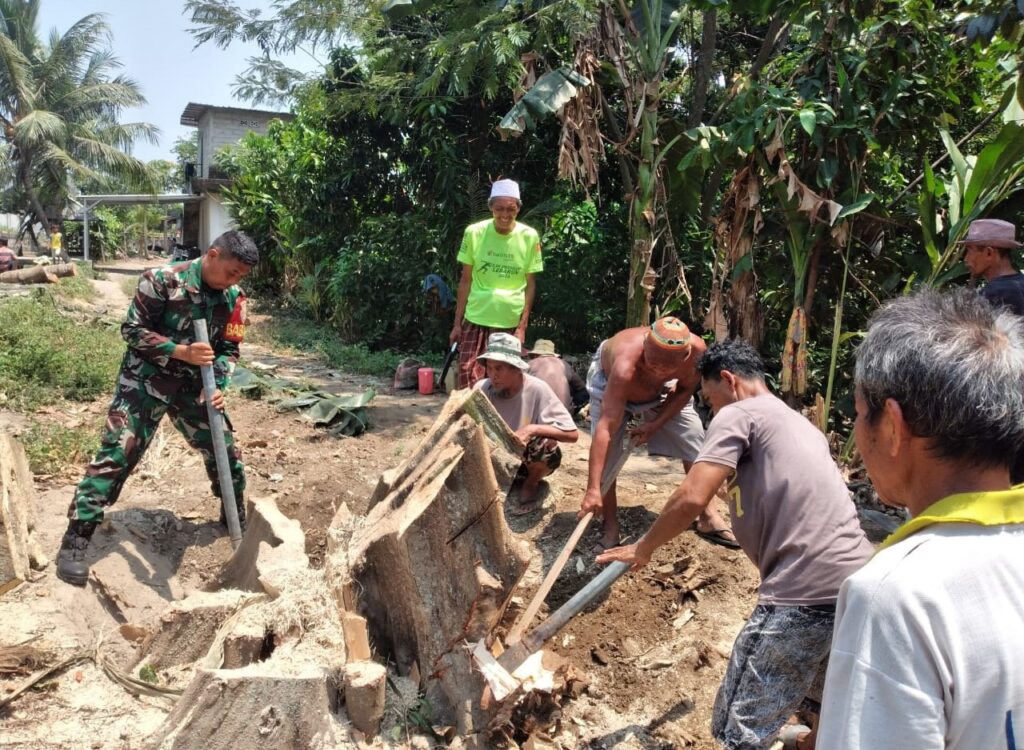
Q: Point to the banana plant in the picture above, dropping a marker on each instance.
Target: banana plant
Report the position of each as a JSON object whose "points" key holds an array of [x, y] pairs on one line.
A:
{"points": [[975, 186], [645, 32]]}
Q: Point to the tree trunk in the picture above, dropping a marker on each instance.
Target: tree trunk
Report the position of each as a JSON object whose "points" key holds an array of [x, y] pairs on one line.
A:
{"points": [[39, 274], [37, 205], [433, 563], [702, 74], [641, 281], [268, 664]]}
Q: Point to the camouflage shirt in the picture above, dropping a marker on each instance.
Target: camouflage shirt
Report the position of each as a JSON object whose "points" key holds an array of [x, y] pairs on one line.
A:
{"points": [[160, 317]]}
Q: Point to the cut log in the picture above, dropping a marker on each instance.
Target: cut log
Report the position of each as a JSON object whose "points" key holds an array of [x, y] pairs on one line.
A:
{"points": [[39, 274], [357, 639], [364, 695], [434, 561], [19, 548]]}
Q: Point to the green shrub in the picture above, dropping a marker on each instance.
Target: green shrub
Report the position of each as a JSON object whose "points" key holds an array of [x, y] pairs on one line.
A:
{"points": [[45, 356], [586, 270], [376, 282]]}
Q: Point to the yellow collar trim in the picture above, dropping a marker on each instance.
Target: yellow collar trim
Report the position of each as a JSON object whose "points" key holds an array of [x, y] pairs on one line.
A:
{"points": [[982, 508]]}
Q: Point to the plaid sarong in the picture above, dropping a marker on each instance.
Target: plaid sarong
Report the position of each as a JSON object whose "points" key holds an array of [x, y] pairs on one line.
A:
{"points": [[543, 449], [472, 344]]}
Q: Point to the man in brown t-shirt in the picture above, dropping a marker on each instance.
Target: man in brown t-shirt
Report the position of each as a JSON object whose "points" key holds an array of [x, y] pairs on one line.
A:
{"points": [[793, 517], [531, 409]]}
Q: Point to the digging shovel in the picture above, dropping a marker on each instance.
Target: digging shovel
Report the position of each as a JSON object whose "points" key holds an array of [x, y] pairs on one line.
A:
{"points": [[610, 474], [519, 652], [220, 450]]}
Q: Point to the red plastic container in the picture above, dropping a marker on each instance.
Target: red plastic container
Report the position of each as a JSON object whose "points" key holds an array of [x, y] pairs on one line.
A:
{"points": [[426, 375]]}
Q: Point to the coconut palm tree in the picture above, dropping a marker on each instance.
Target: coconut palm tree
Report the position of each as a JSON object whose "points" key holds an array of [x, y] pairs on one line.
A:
{"points": [[60, 101]]}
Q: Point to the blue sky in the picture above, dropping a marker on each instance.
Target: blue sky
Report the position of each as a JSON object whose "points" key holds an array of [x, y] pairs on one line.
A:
{"points": [[152, 42]]}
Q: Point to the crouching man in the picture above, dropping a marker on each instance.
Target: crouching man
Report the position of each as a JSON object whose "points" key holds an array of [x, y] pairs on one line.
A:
{"points": [[793, 517], [531, 409]]}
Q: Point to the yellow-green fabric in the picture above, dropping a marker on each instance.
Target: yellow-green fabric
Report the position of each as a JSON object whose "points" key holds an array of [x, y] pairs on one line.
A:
{"points": [[500, 266], [982, 508]]}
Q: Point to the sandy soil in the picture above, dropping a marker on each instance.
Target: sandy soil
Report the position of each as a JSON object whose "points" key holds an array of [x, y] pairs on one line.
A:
{"points": [[653, 650]]}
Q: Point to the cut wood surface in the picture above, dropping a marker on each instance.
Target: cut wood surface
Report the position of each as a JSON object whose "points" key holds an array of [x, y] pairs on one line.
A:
{"points": [[188, 628], [257, 707], [19, 550], [271, 541]]}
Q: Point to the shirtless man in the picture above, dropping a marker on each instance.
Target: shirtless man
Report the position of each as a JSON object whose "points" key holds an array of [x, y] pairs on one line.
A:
{"points": [[631, 373]]}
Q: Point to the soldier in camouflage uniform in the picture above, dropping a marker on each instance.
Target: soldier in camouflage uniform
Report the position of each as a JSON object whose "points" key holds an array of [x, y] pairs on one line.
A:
{"points": [[160, 375]]}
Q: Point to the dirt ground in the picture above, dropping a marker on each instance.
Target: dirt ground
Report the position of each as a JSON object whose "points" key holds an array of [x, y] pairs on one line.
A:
{"points": [[654, 650]]}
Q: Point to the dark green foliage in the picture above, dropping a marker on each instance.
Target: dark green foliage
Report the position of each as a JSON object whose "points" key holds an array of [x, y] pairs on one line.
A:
{"points": [[392, 153], [375, 284], [579, 295]]}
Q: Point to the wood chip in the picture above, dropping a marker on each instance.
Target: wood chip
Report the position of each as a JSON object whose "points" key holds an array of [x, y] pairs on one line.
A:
{"points": [[684, 617]]}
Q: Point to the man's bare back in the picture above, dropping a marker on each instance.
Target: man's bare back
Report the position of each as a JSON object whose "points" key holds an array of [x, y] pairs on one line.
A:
{"points": [[637, 364], [631, 378]]}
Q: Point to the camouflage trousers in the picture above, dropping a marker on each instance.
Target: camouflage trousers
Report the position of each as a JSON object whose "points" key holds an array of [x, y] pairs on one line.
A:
{"points": [[132, 419]]}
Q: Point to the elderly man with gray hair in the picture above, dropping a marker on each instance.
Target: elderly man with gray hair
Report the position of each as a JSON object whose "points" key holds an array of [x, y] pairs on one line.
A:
{"points": [[499, 258], [987, 249], [927, 650]]}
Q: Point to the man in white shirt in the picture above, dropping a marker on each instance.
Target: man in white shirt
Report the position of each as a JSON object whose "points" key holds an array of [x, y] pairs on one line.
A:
{"points": [[928, 650], [531, 409]]}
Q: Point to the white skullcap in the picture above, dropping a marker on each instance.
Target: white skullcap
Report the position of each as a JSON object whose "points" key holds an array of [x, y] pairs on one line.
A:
{"points": [[505, 189]]}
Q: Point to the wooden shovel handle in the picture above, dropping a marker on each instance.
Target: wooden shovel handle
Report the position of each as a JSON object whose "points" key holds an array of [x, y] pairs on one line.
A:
{"points": [[611, 472], [549, 580]]}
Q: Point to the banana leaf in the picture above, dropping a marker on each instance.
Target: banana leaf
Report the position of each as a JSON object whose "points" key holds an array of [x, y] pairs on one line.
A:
{"points": [[546, 97]]}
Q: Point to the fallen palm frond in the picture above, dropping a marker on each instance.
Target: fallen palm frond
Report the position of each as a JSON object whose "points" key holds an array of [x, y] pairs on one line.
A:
{"points": [[125, 680], [22, 658]]}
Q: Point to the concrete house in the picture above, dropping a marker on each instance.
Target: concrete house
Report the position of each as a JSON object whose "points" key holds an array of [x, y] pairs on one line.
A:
{"points": [[218, 127]]}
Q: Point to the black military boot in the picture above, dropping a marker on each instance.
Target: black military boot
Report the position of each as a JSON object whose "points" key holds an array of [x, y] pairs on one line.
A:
{"points": [[71, 567]]}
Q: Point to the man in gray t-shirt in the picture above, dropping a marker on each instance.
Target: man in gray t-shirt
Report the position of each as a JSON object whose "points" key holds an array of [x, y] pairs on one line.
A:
{"points": [[531, 409], [792, 516]]}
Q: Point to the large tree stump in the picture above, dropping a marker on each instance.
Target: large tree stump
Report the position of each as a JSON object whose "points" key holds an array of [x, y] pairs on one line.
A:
{"points": [[433, 563], [39, 274], [269, 665], [19, 549]]}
